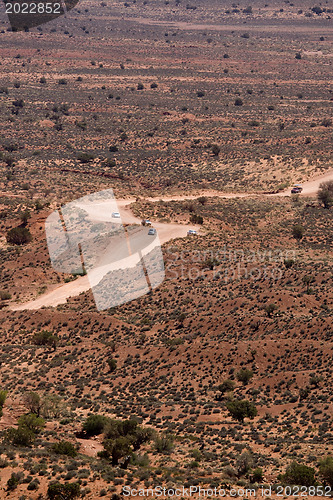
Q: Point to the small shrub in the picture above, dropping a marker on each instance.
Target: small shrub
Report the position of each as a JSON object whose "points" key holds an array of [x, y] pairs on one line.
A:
{"points": [[254, 123], [31, 422], [44, 338], [64, 448], [216, 149], [196, 219], [298, 231], [19, 437], [326, 470], [164, 443], [94, 425], [33, 485], [18, 236], [226, 386], [270, 309], [13, 481], [326, 122], [69, 491], [18, 103], [257, 475], [289, 263], [85, 157], [244, 375], [112, 364]]}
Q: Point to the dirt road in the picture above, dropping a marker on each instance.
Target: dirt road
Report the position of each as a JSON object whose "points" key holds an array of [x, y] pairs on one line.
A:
{"points": [[165, 231]]}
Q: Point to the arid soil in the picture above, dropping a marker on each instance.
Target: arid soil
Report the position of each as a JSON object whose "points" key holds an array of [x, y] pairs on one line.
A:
{"points": [[197, 114]]}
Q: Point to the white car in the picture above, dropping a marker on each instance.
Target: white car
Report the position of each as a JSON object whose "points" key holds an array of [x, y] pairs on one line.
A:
{"points": [[115, 215], [191, 231], [152, 231]]}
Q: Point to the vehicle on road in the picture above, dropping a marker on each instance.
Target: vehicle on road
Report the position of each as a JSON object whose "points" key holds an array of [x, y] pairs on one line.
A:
{"points": [[152, 231], [191, 231], [296, 189], [146, 222], [115, 215]]}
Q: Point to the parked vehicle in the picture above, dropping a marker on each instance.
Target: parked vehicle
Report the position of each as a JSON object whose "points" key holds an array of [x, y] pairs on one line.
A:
{"points": [[146, 222], [115, 215], [191, 231], [152, 231]]}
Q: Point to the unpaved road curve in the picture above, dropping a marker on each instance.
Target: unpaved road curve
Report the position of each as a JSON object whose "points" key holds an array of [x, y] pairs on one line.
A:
{"points": [[60, 293]]}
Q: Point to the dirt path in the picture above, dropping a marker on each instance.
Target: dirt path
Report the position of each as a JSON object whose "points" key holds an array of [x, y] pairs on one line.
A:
{"points": [[166, 232]]}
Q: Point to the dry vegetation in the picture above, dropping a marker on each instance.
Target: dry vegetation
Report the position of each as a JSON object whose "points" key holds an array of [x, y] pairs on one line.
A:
{"points": [[170, 97]]}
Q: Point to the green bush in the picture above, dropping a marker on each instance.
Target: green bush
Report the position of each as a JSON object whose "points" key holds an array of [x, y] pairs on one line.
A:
{"points": [[122, 437], [3, 395], [325, 194], [257, 475], [298, 474], [239, 409], [44, 338], [33, 485], [22, 436], [58, 491], [226, 386], [326, 470], [95, 425], [31, 422], [117, 448], [164, 443], [196, 219], [244, 375], [64, 448]]}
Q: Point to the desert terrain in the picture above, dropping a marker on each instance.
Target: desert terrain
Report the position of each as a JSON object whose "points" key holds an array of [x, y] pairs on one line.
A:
{"points": [[199, 115]]}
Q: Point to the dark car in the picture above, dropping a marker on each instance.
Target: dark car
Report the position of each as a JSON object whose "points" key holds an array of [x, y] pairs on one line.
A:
{"points": [[296, 189]]}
